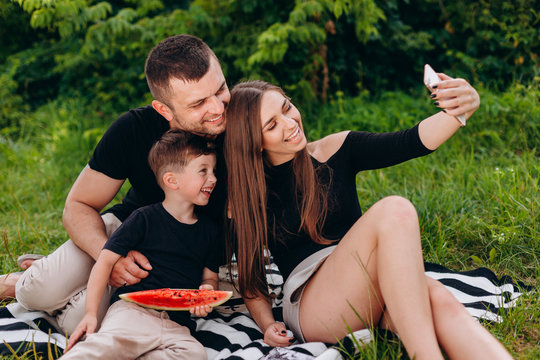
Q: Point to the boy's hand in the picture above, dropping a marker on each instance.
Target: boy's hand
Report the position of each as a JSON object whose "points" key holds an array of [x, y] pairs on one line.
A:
{"points": [[276, 335], [87, 326], [203, 310], [206, 287]]}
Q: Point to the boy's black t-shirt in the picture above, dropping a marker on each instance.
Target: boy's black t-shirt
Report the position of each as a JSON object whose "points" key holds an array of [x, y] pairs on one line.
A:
{"points": [[177, 252], [122, 153]]}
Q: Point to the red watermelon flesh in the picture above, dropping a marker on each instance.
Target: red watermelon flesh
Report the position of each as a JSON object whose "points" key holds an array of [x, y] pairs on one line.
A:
{"points": [[177, 299]]}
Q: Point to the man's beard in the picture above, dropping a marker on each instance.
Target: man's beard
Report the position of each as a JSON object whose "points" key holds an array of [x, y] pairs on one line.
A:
{"points": [[200, 130]]}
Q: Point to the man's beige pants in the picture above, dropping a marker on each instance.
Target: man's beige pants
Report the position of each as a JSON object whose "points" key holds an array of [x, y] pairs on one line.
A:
{"points": [[129, 331], [56, 284]]}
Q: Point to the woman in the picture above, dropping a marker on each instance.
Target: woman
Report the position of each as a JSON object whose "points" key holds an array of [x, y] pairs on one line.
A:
{"points": [[299, 200]]}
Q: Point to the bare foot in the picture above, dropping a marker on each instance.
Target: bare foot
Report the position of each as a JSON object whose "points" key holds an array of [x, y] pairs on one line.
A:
{"points": [[26, 260], [26, 263], [7, 285]]}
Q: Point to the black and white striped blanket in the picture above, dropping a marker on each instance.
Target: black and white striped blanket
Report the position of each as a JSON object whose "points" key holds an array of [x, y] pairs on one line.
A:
{"points": [[229, 332]]}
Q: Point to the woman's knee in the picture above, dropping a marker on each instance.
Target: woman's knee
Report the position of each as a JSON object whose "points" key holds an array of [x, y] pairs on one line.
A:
{"points": [[395, 211], [398, 206], [442, 300]]}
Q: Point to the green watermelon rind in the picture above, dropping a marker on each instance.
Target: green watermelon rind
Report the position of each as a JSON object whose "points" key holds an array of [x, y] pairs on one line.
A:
{"points": [[126, 297]]}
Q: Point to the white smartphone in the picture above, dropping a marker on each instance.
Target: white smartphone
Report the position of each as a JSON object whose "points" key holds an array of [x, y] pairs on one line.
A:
{"points": [[431, 78]]}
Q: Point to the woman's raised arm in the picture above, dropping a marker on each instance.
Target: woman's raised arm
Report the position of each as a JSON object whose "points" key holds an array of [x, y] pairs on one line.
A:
{"points": [[455, 97]]}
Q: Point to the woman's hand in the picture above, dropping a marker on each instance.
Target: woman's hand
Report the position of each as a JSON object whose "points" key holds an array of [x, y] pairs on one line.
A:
{"points": [[276, 335], [455, 96]]}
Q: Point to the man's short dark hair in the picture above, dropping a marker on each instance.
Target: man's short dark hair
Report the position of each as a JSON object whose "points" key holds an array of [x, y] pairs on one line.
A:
{"points": [[184, 57], [174, 150]]}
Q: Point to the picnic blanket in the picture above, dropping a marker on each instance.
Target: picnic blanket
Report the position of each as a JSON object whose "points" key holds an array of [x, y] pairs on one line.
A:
{"points": [[230, 333]]}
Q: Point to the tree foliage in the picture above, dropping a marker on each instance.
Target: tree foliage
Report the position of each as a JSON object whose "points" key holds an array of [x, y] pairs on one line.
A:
{"points": [[471, 39], [54, 49]]}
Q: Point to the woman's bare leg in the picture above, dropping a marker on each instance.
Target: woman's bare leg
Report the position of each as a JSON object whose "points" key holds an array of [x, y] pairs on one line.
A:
{"points": [[378, 262], [460, 335]]}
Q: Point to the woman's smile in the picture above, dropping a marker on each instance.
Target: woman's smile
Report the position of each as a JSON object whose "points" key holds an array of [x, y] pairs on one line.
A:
{"points": [[295, 136]]}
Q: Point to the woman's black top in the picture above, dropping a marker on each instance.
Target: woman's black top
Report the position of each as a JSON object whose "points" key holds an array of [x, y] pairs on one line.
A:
{"points": [[360, 151]]}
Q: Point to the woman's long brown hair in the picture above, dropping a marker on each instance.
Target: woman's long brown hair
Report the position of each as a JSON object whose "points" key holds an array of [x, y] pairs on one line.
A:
{"points": [[246, 188]]}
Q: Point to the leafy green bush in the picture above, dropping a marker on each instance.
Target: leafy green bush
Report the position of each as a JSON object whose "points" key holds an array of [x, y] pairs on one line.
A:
{"points": [[312, 48]]}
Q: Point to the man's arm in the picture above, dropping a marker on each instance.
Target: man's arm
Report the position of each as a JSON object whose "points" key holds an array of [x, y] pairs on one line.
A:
{"points": [[90, 193]]}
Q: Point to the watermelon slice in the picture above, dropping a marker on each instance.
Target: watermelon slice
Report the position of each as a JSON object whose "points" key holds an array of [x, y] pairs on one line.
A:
{"points": [[176, 299]]}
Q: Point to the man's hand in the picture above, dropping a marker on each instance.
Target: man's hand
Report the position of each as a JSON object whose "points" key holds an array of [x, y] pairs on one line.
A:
{"points": [[129, 270]]}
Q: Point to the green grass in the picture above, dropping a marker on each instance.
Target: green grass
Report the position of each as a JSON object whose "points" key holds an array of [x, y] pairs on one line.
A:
{"points": [[477, 197]]}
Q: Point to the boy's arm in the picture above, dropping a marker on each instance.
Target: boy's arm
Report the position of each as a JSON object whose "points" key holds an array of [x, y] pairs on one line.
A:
{"points": [[97, 283], [99, 277], [209, 278]]}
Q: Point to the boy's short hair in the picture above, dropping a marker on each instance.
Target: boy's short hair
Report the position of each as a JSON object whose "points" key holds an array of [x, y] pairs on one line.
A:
{"points": [[184, 57], [174, 150]]}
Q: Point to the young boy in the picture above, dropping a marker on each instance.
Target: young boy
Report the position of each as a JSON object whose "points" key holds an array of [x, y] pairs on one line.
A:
{"points": [[180, 246]]}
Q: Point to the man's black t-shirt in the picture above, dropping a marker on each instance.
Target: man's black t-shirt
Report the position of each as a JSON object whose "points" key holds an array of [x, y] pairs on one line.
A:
{"points": [[177, 252], [122, 153]]}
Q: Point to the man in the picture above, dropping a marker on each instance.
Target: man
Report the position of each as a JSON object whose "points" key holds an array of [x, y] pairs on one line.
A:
{"points": [[191, 94]]}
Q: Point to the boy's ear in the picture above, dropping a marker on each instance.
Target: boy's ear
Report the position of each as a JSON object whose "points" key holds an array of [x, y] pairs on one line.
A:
{"points": [[163, 110], [170, 181]]}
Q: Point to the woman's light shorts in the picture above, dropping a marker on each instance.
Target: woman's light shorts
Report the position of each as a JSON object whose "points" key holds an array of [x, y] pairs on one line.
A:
{"points": [[294, 288]]}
